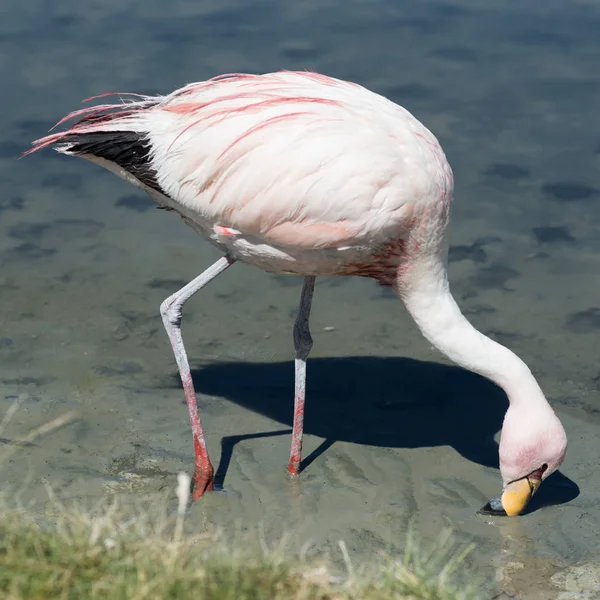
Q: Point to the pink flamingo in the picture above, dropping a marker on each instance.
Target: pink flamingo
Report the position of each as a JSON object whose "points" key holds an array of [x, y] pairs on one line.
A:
{"points": [[299, 173]]}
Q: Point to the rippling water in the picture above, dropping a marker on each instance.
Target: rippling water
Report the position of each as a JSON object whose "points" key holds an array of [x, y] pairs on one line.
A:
{"points": [[511, 92]]}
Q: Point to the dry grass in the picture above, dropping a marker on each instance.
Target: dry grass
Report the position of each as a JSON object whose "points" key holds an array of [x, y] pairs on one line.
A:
{"points": [[113, 552]]}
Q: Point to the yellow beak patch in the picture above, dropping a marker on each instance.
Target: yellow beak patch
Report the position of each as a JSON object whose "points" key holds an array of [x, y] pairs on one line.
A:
{"points": [[517, 494]]}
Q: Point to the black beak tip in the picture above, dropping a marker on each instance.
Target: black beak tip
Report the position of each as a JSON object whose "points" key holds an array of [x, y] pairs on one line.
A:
{"points": [[490, 511]]}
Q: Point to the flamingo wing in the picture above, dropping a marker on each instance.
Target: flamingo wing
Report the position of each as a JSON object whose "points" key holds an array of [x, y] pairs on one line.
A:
{"points": [[295, 159]]}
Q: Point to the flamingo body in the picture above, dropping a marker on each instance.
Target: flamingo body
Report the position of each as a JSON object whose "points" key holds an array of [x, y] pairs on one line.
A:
{"points": [[290, 172]]}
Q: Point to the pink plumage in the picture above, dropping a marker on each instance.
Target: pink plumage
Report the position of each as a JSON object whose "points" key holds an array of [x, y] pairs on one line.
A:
{"points": [[281, 159], [299, 173]]}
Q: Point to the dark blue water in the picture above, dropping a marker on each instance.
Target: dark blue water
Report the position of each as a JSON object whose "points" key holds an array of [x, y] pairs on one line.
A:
{"points": [[512, 93]]}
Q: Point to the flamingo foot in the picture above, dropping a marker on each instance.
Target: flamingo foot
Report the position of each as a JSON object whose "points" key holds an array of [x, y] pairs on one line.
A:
{"points": [[294, 467], [202, 482]]}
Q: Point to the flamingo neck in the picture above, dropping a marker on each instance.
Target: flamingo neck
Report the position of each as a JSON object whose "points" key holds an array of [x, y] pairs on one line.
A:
{"points": [[426, 294]]}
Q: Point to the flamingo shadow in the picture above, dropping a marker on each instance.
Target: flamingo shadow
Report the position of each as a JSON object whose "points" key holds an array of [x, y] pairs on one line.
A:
{"points": [[389, 402]]}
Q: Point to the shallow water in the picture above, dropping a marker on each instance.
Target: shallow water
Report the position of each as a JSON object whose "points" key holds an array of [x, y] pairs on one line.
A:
{"points": [[396, 434]]}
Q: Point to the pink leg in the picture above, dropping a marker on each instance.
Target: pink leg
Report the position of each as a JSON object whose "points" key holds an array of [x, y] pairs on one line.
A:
{"points": [[170, 311], [302, 343]]}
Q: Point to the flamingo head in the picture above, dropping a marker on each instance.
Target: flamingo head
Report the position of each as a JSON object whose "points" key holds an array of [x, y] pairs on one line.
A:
{"points": [[533, 445]]}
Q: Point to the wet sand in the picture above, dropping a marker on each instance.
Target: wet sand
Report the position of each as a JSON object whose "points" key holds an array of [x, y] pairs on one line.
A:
{"points": [[395, 434]]}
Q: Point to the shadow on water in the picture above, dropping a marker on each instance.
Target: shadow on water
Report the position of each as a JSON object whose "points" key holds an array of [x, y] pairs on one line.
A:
{"points": [[388, 402]]}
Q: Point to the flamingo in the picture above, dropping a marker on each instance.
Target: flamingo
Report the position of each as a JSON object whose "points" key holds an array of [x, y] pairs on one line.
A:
{"points": [[304, 174]]}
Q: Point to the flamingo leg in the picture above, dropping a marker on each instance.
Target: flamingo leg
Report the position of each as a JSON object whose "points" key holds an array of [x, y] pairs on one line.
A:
{"points": [[302, 344], [171, 313]]}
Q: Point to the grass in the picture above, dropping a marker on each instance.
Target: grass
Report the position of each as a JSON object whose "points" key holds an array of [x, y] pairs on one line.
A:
{"points": [[107, 553], [114, 552]]}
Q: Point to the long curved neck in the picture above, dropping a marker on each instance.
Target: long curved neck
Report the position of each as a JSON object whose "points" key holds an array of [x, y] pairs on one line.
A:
{"points": [[423, 287]]}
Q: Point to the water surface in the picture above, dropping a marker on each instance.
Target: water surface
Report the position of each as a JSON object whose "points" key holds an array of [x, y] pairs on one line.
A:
{"points": [[512, 93]]}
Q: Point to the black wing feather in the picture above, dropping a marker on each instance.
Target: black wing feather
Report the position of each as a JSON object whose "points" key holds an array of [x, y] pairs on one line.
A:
{"points": [[128, 149]]}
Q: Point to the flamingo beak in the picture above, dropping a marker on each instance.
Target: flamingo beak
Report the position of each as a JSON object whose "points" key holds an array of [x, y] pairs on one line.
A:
{"points": [[514, 497]]}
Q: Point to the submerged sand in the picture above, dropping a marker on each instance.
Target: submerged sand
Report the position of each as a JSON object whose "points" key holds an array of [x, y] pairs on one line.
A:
{"points": [[395, 435]]}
